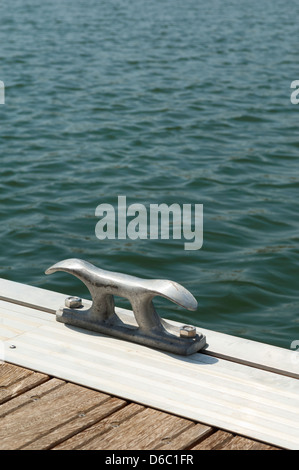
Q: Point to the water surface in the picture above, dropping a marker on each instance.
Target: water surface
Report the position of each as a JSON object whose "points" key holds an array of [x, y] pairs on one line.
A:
{"points": [[160, 101]]}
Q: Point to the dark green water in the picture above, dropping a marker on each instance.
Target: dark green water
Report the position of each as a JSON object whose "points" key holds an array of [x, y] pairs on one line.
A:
{"points": [[161, 101]]}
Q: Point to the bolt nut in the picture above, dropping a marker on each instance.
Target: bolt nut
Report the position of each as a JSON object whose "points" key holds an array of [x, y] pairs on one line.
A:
{"points": [[188, 331], [73, 302]]}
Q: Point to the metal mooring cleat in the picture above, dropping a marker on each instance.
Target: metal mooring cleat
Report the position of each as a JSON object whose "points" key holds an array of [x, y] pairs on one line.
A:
{"points": [[150, 329]]}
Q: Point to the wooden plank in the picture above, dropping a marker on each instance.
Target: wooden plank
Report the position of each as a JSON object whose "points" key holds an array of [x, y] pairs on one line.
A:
{"points": [[82, 421], [251, 402], [89, 430], [10, 374], [16, 380], [143, 431], [243, 443], [28, 396], [222, 440], [220, 345], [94, 433], [49, 413], [214, 442], [186, 439]]}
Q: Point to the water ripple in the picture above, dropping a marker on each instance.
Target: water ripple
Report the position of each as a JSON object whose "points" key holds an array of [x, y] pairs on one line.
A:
{"points": [[161, 102]]}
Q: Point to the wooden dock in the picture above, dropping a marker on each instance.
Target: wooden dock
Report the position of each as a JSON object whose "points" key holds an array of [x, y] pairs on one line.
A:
{"points": [[39, 412], [66, 388]]}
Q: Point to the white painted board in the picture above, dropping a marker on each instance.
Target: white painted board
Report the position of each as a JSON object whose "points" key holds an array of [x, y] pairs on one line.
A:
{"points": [[245, 400], [220, 345]]}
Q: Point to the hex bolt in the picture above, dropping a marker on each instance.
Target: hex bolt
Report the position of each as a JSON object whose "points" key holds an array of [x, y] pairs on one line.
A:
{"points": [[187, 331], [73, 302]]}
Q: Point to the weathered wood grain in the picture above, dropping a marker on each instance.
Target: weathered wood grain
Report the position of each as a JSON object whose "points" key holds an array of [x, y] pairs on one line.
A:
{"points": [[246, 401], [72, 427], [89, 437], [215, 441], [58, 415], [184, 440], [15, 380], [145, 430], [28, 396], [243, 443], [42, 411]]}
